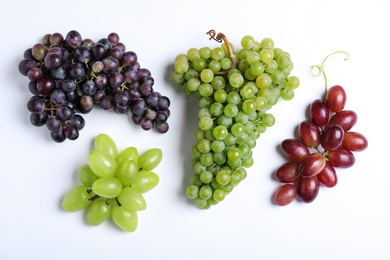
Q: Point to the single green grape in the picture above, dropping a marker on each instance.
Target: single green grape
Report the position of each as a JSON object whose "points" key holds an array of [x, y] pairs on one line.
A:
{"points": [[252, 57], [98, 212], [131, 198], [205, 102], [277, 76], [205, 89], [207, 159], [292, 82], [266, 55], [102, 164], [260, 102], [106, 144], [267, 43], [236, 80], [263, 81], [216, 109], [181, 66], [199, 64], [150, 159], [249, 106], [86, 175], [220, 132], [193, 84], [224, 120], [243, 65], [76, 199], [177, 78], [205, 123], [238, 129], [226, 63], [204, 145], [206, 177], [130, 153], [247, 163], [233, 97], [235, 178], [181, 57], [195, 152], [201, 203], [190, 73], [230, 140], [124, 218], [199, 134], [219, 158], [283, 61], [107, 187], [127, 172], [205, 52], [256, 68], [204, 112], [207, 75], [234, 154], [218, 195], [218, 83], [215, 66], [247, 42], [241, 117], [230, 110], [205, 192], [146, 180], [268, 120], [192, 191], [287, 93], [247, 91], [223, 177], [217, 53], [193, 54]]}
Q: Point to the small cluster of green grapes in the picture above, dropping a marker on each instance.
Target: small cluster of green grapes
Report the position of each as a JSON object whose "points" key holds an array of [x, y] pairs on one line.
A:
{"points": [[235, 90], [112, 183]]}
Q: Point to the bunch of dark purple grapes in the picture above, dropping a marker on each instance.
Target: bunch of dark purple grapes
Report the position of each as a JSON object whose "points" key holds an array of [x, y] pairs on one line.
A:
{"points": [[71, 75], [325, 143]]}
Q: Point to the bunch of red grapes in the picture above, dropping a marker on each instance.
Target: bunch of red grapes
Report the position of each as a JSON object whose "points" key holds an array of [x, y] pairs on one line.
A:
{"points": [[325, 142]]}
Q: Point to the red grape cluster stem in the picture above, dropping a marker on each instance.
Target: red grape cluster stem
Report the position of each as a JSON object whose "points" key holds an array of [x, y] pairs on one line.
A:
{"points": [[325, 142]]}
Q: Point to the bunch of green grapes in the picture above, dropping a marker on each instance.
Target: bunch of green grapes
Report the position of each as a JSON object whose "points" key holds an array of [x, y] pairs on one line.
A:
{"points": [[235, 89], [112, 184]]}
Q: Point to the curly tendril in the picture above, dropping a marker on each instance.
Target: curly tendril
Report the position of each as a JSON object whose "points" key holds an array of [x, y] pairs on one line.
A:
{"points": [[321, 69], [219, 38]]}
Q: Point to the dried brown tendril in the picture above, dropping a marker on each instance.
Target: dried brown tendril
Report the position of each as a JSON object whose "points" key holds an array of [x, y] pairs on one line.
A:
{"points": [[219, 38]]}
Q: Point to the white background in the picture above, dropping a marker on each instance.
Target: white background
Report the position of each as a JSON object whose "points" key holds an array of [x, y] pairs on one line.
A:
{"points": [[349, 221]]}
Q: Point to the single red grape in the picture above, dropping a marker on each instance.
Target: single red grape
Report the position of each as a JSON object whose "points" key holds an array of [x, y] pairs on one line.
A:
{"points": [[312, 165], [309, 133], [285, 194], [287, 172], [336, 98], [341, 157], [346, 119], [355, 141], [328, 176], [319, 113], [294, 150], [332, 137], [308, 189]]}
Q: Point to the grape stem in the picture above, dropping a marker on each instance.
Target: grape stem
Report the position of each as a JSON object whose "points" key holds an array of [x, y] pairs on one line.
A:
{"points": [[219, 38], [321, 69], [94, 197]]}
